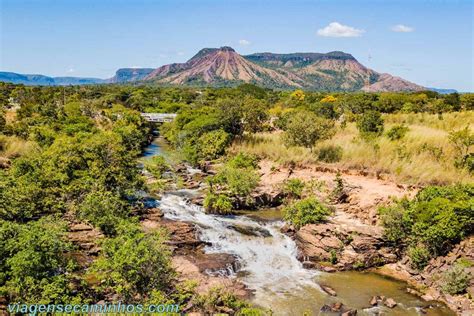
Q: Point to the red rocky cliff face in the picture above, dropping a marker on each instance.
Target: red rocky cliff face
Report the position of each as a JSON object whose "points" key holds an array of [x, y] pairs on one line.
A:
{"points": [[224, 66]]}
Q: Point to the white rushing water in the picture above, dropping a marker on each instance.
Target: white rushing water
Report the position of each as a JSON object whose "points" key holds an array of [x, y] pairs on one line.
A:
{"points": [[269, 263]]}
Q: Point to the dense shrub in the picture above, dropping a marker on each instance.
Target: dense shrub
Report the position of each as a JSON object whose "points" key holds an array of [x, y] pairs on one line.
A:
{"points": [[397, 132], [32, 262], [396, 228], [218, 204], [252, 311], [212, 145], [134, 262], [54, 180], [237, 177], [157, 165], [293, 188], [468, 162], [456, 279], [419, 256], [3, 121], [282, 117], [243, 160], [338, 193], [104, 209], [304, 128], [463, 141], [330, 153], [430, 224], [204, 132], [370, 124], [232, 184], [237, 182], [467, 101], [307, 211]]}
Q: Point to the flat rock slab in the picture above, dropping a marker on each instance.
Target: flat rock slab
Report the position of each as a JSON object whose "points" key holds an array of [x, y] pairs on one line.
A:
{"points": [[215, 263]]}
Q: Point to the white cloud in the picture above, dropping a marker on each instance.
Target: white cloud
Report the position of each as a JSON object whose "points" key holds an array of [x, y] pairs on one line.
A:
{"points": [[402, 28], [244, 42], [71, 70], [180, 53], [336, 29]]}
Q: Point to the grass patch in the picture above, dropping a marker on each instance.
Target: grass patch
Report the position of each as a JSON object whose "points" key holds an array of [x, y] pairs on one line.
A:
{"points": [[423, 156], [14, 147]]}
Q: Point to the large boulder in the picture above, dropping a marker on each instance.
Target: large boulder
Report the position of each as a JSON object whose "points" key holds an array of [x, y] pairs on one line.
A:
{"points": [[345, 246], [183, 236]]}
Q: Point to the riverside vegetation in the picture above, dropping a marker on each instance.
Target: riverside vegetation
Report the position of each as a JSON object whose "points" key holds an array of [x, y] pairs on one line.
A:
{"points": [[69, 155]]}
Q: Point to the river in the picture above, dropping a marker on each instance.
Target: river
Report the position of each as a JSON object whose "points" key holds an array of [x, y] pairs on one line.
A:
{"points": [[269, 267]]}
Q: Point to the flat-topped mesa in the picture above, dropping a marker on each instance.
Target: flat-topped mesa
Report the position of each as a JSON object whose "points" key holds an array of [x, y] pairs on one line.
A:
{"points": [[223, 66], [130, 74], [220, 66], [338, 55], [227, 49], [333, 71], [207, 51], [298, 58]]}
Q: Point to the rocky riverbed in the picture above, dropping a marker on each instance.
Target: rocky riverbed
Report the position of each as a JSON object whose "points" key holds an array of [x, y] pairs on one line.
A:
{"points": [[286, 269], [191, 261], [352, 238]]}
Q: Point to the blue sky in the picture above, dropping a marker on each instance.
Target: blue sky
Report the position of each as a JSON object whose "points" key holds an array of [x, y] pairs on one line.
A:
{"points": [[427, 42]]}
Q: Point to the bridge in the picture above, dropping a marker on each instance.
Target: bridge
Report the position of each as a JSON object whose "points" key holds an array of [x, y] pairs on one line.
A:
{"points": [[158, 117]]}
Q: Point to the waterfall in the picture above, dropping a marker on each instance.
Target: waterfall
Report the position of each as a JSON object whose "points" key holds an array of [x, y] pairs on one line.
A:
{"points": [[269, 263]]}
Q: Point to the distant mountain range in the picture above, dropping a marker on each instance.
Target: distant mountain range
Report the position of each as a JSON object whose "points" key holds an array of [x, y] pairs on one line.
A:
{"points": [[334, 71], [45, 80]]}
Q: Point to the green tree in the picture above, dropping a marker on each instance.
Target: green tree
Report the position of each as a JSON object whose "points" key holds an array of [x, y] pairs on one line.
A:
{"points": [[213, 144], [134, 262], [254, 115], [33, 267], [230, 115], [467, 101], [305, 129], [389, 102], [453, 100], [370, 124], [104, 210]]}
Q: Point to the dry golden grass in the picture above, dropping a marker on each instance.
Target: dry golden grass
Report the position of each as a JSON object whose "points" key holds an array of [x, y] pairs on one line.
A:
{"points": [[10, 116], [448, 121], [13, 146], [423, 156]]}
